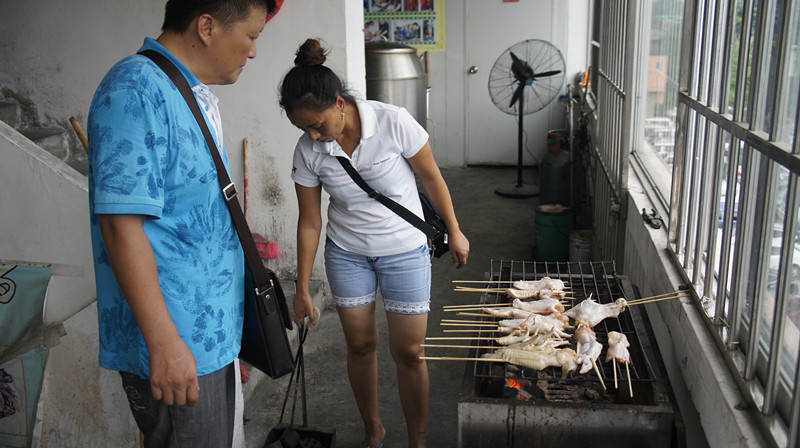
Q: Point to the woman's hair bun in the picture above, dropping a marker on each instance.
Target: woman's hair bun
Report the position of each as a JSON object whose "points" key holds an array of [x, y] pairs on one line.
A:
{"points": [[311, 53]]}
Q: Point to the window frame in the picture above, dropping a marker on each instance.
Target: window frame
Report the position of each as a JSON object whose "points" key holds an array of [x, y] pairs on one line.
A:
{"points": [[695, 241]]}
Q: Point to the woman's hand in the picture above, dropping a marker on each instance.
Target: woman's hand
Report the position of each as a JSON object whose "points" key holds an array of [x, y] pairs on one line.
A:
{"points": [[459, 248], [304, 307]]}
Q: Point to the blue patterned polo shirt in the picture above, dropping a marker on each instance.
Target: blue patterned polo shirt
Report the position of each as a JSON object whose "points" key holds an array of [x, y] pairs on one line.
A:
{"points": [[147, 156]]}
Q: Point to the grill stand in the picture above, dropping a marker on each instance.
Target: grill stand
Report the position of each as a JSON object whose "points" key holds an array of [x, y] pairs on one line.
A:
{"points": [[650, 419]]}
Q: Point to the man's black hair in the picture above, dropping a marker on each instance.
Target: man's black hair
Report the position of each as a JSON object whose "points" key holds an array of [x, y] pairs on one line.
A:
{"points": [[178, 14]]}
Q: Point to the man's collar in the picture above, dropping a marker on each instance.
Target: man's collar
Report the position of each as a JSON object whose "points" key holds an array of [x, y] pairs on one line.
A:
{"points": [[152, 44]]}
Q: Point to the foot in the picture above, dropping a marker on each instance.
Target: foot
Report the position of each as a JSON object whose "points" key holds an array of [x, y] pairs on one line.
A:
{"points": [[374, 440]]}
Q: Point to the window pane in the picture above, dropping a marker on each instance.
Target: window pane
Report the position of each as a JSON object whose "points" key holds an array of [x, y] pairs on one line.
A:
{"points": [[791, 80], [791, 336], [728, 212], [662, 83], [735, 66], [769, 70]]}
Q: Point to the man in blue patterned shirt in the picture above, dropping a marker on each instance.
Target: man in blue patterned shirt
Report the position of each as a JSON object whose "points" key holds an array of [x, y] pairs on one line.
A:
{"points": [[168, 264]]}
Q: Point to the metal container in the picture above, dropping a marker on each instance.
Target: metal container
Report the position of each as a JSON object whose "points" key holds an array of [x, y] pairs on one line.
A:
{"points": [[395, 75]]}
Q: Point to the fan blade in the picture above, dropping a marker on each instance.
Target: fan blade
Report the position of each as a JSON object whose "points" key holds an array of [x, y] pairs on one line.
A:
{"points": [[517, 95], [543, 74], [520, 68]]}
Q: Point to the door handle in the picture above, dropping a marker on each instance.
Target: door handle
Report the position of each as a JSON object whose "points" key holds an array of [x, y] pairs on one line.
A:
{"points": [[472, 70]]}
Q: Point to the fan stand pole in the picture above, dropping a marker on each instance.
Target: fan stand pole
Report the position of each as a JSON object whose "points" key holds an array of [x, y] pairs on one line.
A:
{"points": [[519, 190]]}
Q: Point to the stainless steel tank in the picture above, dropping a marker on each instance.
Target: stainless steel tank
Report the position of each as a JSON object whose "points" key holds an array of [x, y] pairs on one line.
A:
{"points": [[395, 75]]}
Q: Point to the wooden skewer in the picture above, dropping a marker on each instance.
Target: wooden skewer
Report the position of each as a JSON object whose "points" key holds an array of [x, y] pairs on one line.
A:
{"points": [[680, 291], [630, 386], [673, 295], [650, 299], [480, 305], [459, 321], [455, 358], [597, 371], [447, 346], [490, 305], [484, 281], [643, 301], [458, 338], [487, 315], [451, 307], [495, 291], [492, 281], [453, 324], [471, 331], [462, 288], [476, 308], [479, 308], [614, 364], [470, 324]]}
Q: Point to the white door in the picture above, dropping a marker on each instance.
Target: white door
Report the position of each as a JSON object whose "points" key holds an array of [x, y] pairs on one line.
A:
{"points": [[491, 28]]}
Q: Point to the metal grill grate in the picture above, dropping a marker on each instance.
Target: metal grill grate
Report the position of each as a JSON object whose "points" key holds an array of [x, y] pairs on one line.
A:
{"points": [[584, 278]]}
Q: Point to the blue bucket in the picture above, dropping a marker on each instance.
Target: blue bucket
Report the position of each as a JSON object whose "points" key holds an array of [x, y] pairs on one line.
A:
{"points": [[552, 235]]}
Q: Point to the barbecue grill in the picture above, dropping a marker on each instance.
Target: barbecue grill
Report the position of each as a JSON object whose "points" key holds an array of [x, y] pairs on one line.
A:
{"points": [[504, 405]]}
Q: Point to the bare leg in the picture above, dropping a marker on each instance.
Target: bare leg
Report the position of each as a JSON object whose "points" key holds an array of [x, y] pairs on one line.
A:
{"points": [[407, 332], [361, 335]]}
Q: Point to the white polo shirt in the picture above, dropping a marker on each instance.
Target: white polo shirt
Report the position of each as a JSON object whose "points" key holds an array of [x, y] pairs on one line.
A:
{"points": [[356, 222]]}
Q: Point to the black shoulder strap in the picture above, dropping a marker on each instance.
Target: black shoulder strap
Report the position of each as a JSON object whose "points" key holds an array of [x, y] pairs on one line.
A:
{"points": [[261, 274], [404, 213]]}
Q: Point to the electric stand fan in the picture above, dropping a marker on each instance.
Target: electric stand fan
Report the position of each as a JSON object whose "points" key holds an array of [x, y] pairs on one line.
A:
{"points": [[525, 78]]}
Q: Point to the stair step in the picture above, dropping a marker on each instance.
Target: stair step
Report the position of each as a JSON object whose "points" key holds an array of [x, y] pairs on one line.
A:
{"points": [[54, 140]]}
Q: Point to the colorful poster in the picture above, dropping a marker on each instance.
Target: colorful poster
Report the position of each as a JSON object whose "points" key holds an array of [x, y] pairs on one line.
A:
{"points": [[417, 23], [22, 353]]}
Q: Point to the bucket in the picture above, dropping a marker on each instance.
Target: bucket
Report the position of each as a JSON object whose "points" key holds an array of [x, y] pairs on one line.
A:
{"points": [[554, 174], [580, 245], [553, 227]]}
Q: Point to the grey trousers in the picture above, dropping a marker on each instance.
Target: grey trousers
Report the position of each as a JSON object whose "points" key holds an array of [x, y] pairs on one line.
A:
{"points": [[207, 424]]}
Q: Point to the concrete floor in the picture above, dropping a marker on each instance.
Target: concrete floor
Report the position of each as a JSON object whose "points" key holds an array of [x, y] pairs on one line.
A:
{"points": [[498, 228]]}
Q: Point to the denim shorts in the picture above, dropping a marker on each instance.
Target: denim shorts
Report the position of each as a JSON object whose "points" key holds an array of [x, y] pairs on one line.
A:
{"points": [[405, 279]]}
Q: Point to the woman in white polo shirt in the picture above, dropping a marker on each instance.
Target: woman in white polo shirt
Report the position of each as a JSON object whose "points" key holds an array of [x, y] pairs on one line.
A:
{"points": [[367, 245]]}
